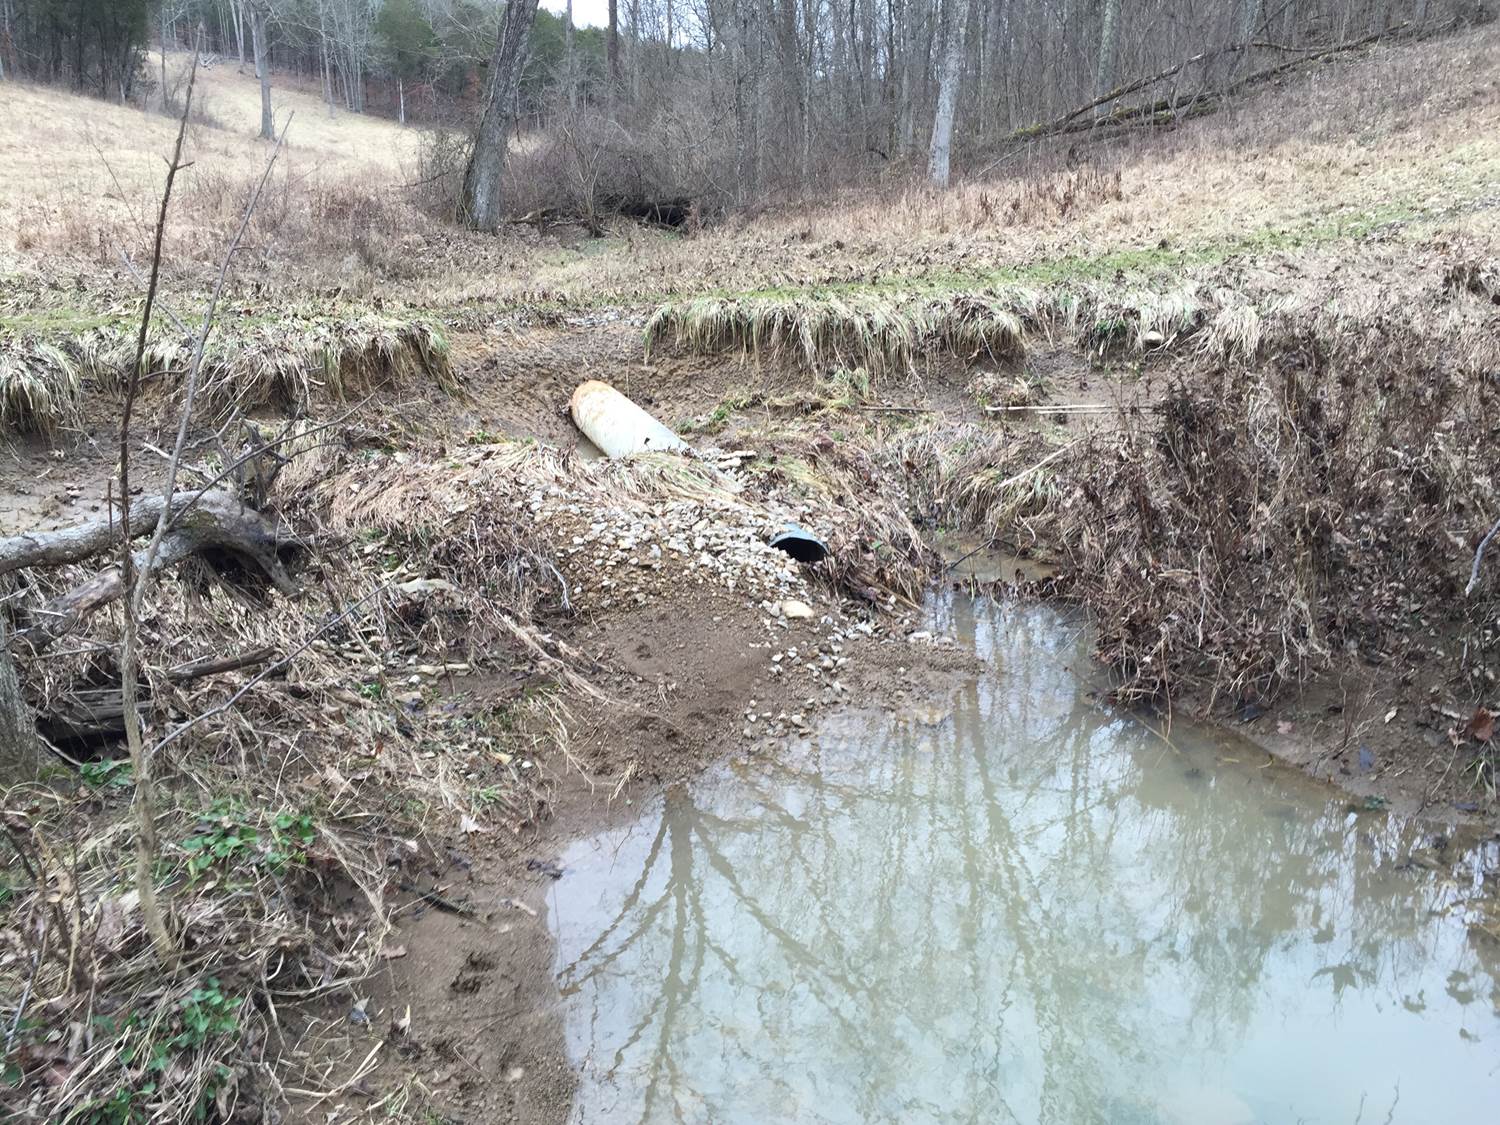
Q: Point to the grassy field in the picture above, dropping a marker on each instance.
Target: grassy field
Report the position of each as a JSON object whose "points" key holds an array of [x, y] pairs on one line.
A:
{"points": [[78, 170]]}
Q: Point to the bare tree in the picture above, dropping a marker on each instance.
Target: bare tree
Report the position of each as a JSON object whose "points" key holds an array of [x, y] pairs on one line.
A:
{"points": [[940, 153], [570, 62], [1109, 32], [262, 68], [612, 45], [480, 205], [237, 21]]}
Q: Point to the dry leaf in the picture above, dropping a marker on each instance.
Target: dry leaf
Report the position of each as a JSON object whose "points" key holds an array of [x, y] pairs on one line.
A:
{"points": [[1391, 714], [115, 918], [467, 824], [1481, 726], [391, 952], [336, 781]]}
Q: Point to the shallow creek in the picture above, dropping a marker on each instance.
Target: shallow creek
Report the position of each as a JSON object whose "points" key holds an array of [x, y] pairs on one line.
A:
{"points": [[1016, 904]]}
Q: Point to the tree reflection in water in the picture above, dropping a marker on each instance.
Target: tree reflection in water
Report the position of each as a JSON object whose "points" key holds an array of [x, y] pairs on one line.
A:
{"points": [[1034, 910]]}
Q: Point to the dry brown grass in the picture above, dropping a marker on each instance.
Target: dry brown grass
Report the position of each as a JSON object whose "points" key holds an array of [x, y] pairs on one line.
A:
{"points": [[1404, 132], [290, 362], [1289, 514], [1215, 311], [75, 169]]}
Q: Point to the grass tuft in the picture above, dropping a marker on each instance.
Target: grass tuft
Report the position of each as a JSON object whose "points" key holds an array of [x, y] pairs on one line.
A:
{"points": [[40, 386]]}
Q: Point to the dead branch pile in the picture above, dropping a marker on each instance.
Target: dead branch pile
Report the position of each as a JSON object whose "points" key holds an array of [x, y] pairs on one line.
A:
{"points": [[295, 759]]}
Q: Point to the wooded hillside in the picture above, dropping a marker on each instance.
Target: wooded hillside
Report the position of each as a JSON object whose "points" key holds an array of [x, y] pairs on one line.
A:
{"points": [[729, 101]]}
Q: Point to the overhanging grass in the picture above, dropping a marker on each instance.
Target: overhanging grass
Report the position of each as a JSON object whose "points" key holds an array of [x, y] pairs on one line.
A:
{"points": [[284, 357]]}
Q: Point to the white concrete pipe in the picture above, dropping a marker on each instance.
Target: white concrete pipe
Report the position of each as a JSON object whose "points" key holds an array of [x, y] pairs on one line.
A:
{"points": [[616, 425]]}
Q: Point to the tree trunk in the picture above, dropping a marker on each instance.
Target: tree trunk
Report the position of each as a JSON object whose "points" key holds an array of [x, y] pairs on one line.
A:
{"points": [[480, 206], [237, 11], [327, 69], [164, 108], [569, 64], [612, 48], [1109, 34], [942, 121], [328, 81], [262, 71]]}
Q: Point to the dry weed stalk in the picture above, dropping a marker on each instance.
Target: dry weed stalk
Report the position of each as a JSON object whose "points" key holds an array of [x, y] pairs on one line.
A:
{"points": [[145, 801]]}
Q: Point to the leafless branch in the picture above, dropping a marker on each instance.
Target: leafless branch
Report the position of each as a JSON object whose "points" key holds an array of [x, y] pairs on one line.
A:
{"points": [[1479, 558], [191, 393]]}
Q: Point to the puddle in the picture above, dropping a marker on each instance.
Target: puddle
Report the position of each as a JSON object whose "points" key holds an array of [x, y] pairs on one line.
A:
{"points": [[1020, 907], [973, 557]]}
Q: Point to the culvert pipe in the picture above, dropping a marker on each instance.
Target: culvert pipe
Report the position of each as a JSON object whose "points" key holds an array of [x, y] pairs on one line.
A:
{"points": [[616, 425], [800, 544]]}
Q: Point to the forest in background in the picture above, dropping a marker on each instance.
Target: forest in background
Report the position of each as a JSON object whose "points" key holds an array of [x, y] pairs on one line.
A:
{"points": [[723, 102]]}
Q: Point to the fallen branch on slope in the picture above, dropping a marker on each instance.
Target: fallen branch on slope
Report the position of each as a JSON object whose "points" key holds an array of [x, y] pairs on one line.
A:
{"points": [[1069, 123], [73, 544]]}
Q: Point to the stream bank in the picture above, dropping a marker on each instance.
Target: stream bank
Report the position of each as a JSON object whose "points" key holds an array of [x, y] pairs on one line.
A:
{"points": [[561, 639], [904, 478]]}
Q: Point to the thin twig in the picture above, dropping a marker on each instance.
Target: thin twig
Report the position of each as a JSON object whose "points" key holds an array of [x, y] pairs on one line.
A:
{"points": [[15, 1024], [135, 273], [439, 900], [191, 394], [1478, 558], [143, 803], [1024, 473]]}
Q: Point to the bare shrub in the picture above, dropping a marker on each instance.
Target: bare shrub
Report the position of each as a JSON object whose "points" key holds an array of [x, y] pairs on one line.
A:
{"points": [[439, 173]]}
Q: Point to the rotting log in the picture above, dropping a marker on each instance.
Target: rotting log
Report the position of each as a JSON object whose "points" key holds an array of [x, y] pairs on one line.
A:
{"points": [[213, 521], [73, 544]]}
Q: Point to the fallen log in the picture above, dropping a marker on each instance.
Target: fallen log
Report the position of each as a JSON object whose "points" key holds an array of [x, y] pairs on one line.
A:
{"points": [[216, 521], [73, 544], [1069, 123], [186, 673]]}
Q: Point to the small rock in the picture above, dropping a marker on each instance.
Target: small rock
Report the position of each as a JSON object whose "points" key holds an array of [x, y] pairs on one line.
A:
{"points": [[795, 610]]}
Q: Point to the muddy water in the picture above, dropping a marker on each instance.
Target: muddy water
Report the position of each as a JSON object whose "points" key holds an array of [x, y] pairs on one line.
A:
{"points": [[1015, 905]]}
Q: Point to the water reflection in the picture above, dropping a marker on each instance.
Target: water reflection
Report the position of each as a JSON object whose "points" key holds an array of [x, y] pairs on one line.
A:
{"points": [[1032, 910]]}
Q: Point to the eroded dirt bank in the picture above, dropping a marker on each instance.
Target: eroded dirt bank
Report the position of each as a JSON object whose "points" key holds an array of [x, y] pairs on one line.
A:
{"points": [[1270, 517], [677, 618]]}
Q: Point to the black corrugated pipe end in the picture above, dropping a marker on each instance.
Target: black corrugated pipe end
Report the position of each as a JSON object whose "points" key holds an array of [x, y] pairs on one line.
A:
{"points": [[801, 545]]}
